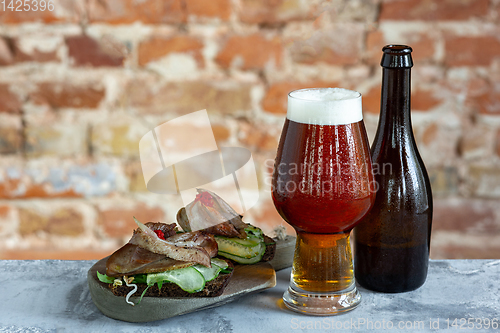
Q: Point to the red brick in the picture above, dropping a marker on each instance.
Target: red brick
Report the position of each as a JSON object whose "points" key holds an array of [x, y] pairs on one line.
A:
{"points": [[66, 95], [86, 51], [119, 222], [213, 8], [467, 215], [339, 46], [4, 210], [13, 17], [221, 132], [433, 10], [54, 254], [250, 52], [371, 100], [63, 222], [495, 9], [158, 47], [130, 11], [423, 48], [187, 97], [11, 189], [276, 98], [64, 11], [471, 51], [273, 11], [6, 53], [464, 251], [423, 100], [9, 102]]}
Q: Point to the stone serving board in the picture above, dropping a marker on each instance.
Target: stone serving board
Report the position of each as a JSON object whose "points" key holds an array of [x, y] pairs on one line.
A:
{"points": [[285, 249], [246, 279]]}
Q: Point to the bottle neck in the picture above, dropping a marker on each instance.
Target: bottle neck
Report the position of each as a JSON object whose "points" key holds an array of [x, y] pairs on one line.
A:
{"points": [[395, 100]]}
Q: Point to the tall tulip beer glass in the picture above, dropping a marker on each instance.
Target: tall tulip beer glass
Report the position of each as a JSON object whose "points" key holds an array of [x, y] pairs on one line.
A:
{"points": [[322, 186]]}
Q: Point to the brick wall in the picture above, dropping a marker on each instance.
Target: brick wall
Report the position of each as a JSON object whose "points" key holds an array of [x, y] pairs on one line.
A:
{"points": [[81, 84]]}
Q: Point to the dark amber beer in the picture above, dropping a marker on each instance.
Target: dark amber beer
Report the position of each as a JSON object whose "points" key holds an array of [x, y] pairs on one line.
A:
{"points": [[322, 186], [392, 242]]}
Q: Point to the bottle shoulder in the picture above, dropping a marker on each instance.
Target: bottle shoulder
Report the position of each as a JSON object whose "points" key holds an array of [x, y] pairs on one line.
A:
{"points": [[400, 174]]}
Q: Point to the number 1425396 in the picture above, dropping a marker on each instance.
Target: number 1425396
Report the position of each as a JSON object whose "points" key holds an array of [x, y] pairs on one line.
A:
{"points": [[26, 5]]}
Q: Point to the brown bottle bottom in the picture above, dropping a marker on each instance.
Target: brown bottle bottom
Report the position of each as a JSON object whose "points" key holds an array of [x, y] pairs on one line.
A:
{"points": [[391, 270]]}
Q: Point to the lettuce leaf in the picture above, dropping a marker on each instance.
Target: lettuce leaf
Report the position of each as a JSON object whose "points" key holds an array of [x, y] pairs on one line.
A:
{"points": [[104, 278]]}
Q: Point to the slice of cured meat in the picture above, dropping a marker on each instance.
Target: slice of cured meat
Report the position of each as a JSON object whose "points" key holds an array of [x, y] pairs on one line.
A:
{"points": [[131, 259], [210, 213], [147, 253], [184, 251]]}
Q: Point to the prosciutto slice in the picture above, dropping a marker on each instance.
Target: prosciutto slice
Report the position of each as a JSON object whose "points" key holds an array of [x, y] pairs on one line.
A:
{"points": [[147, 253], [210, 213], [196, 238], [184, 251], [131, 259]]}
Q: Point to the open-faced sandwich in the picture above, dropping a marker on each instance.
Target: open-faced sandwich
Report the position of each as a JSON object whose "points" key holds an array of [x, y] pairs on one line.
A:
{"points": [[161, 261]]}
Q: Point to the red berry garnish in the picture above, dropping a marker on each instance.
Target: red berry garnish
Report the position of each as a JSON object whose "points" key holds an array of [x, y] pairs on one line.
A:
{"points": [[160, 234]]}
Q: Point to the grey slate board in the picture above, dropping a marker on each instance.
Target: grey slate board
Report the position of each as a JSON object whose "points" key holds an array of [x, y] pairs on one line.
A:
{"points": [[246, 279]]}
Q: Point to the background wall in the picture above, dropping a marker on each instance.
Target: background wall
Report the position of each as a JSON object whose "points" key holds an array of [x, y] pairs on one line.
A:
{"points": [[81, 84]]}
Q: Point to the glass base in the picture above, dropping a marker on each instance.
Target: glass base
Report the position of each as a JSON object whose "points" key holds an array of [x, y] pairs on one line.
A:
{"points": [[321, 304]]}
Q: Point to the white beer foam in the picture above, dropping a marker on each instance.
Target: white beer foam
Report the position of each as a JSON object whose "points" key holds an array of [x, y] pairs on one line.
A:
{"points": [[324, 106]]}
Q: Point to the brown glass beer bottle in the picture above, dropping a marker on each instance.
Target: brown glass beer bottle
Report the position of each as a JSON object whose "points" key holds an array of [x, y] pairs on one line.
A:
{"points": [[392, 242]]}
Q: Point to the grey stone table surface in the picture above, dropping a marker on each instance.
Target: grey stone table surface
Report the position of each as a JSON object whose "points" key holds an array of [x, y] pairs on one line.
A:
{"points": [[53, 296]]}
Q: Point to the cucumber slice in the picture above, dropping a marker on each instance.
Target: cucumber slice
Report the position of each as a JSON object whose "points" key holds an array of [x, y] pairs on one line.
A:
{"points": [[241, 260], [249, 241], [230, 246], [209, 273], [253, 231], [219, 262], [189, 279]]}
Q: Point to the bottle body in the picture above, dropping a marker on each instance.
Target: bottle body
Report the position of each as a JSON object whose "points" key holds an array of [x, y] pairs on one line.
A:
{"points": [[392, 242]]}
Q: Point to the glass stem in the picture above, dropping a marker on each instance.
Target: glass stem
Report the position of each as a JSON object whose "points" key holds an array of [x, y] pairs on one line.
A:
{"points": [[322, 262]]}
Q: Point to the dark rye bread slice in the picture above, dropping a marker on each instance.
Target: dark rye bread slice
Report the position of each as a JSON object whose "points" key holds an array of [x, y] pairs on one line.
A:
{"points": [[212, 288], [270, 249]]}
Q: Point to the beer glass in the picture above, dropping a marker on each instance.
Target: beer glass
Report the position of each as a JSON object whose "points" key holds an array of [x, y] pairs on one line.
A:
{"points": [[322, 186]]}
